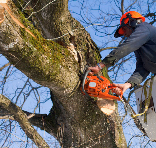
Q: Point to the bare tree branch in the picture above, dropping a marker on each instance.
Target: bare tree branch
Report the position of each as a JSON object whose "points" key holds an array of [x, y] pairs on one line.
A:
{"points": [[102, 49], [130, 5], [5, 78], [21, 118], [42, 8], [6, 65], [122, 7]]}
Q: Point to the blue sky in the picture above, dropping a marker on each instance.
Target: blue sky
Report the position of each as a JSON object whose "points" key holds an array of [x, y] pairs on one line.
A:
{"points": [[94, 10]]}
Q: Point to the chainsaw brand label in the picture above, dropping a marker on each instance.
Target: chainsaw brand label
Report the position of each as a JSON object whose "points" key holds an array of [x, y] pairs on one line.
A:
{"points": [[92, 84]]}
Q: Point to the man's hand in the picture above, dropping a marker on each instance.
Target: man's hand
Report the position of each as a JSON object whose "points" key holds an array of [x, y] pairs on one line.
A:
{"points": [[96, 69], [121, 87]]}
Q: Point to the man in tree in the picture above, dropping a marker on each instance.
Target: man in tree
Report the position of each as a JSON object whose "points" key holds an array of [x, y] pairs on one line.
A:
{"points": [[141, 39]]}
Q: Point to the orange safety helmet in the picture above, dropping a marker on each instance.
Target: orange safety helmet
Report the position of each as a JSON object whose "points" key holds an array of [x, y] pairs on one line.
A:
{"points": [[129, 17]]}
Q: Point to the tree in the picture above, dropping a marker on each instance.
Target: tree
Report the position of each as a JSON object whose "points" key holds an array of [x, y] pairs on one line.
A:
{"points": [[56, 65], [43, 41]]}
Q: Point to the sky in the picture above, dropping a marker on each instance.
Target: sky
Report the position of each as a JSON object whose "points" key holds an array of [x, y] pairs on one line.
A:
{"points": [[16, 80]]}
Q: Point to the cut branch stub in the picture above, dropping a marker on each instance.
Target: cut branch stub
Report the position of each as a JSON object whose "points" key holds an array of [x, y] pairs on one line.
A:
{"points": [[106, 106], [4, 6]]}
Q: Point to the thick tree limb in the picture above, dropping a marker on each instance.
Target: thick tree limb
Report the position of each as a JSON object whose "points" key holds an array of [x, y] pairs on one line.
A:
{"points": [[57, 63], [22, 119]]}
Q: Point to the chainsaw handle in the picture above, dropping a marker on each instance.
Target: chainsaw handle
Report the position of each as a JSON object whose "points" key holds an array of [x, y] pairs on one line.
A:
{"points": [[83, 82], [121, 92]]}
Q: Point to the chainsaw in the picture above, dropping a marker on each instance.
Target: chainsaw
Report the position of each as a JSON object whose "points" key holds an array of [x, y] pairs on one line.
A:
{"points": [[99, 86]]}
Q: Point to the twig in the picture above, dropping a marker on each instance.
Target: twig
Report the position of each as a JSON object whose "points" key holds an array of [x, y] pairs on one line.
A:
{"points": [[42, 8]]}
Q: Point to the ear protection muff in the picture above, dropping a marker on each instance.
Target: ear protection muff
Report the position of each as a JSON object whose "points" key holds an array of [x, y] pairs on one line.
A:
{"points": [[132, 21]]}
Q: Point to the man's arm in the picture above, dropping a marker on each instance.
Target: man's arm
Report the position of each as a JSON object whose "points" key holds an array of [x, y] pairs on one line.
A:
{"points": [[139, 37], [140, 73], [137, 77]]}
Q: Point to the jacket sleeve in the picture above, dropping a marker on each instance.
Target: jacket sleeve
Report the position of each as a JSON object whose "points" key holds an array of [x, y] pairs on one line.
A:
{"points": [[139, 37], [140, 72]]}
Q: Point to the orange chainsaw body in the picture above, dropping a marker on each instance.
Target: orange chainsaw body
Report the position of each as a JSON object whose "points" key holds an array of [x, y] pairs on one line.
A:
{"points": [[100, 88]]}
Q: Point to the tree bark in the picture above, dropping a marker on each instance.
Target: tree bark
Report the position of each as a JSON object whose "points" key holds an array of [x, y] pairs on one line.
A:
{"points": [[74, 120]]}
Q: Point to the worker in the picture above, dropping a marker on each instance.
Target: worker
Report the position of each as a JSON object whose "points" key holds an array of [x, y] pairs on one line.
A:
{"points": [[141, 39]]}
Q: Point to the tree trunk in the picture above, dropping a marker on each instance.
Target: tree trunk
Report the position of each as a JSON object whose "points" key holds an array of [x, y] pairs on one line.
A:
{"points": [[74, 120]]}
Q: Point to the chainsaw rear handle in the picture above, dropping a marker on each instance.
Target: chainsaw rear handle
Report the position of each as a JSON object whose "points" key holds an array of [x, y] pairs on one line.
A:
{"points": [[111, 88]]}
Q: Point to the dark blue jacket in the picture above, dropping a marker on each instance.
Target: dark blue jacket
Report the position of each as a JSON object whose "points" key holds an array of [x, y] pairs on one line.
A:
{"points": [[143, 43]]}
